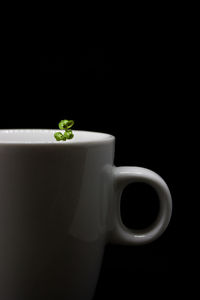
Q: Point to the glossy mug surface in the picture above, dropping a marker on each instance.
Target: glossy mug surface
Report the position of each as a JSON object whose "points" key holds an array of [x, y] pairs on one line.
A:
{"points": [[59, 206]]}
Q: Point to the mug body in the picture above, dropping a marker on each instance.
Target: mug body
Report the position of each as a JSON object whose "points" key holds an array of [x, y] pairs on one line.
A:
{"points": [[54, 207]]}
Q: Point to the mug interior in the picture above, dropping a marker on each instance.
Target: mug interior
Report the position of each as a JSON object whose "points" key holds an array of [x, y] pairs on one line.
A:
{"points": [[46, 136]]}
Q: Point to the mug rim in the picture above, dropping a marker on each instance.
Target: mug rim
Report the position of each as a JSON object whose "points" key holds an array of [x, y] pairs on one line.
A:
{"points": [[81, 137]]}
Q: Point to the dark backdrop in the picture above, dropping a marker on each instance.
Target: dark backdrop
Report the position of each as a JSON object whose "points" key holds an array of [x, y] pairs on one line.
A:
{"points": [[129, 88]]}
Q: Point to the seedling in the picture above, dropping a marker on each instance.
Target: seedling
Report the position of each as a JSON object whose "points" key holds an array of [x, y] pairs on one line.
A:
{"points": [[68, 134]]}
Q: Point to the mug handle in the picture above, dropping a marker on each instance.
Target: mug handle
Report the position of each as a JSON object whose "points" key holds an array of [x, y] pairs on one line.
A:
{"points": [[123, 176]]}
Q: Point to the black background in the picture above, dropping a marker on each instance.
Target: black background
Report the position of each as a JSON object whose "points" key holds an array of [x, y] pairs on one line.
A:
{"points": [[129, 82]]}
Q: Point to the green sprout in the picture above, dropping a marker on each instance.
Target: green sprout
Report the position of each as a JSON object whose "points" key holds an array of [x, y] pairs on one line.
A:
{"points": [[67, 135]]}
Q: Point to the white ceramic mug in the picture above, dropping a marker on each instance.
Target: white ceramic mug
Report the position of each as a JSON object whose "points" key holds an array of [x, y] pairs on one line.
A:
{"points": [[59, 206]]}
